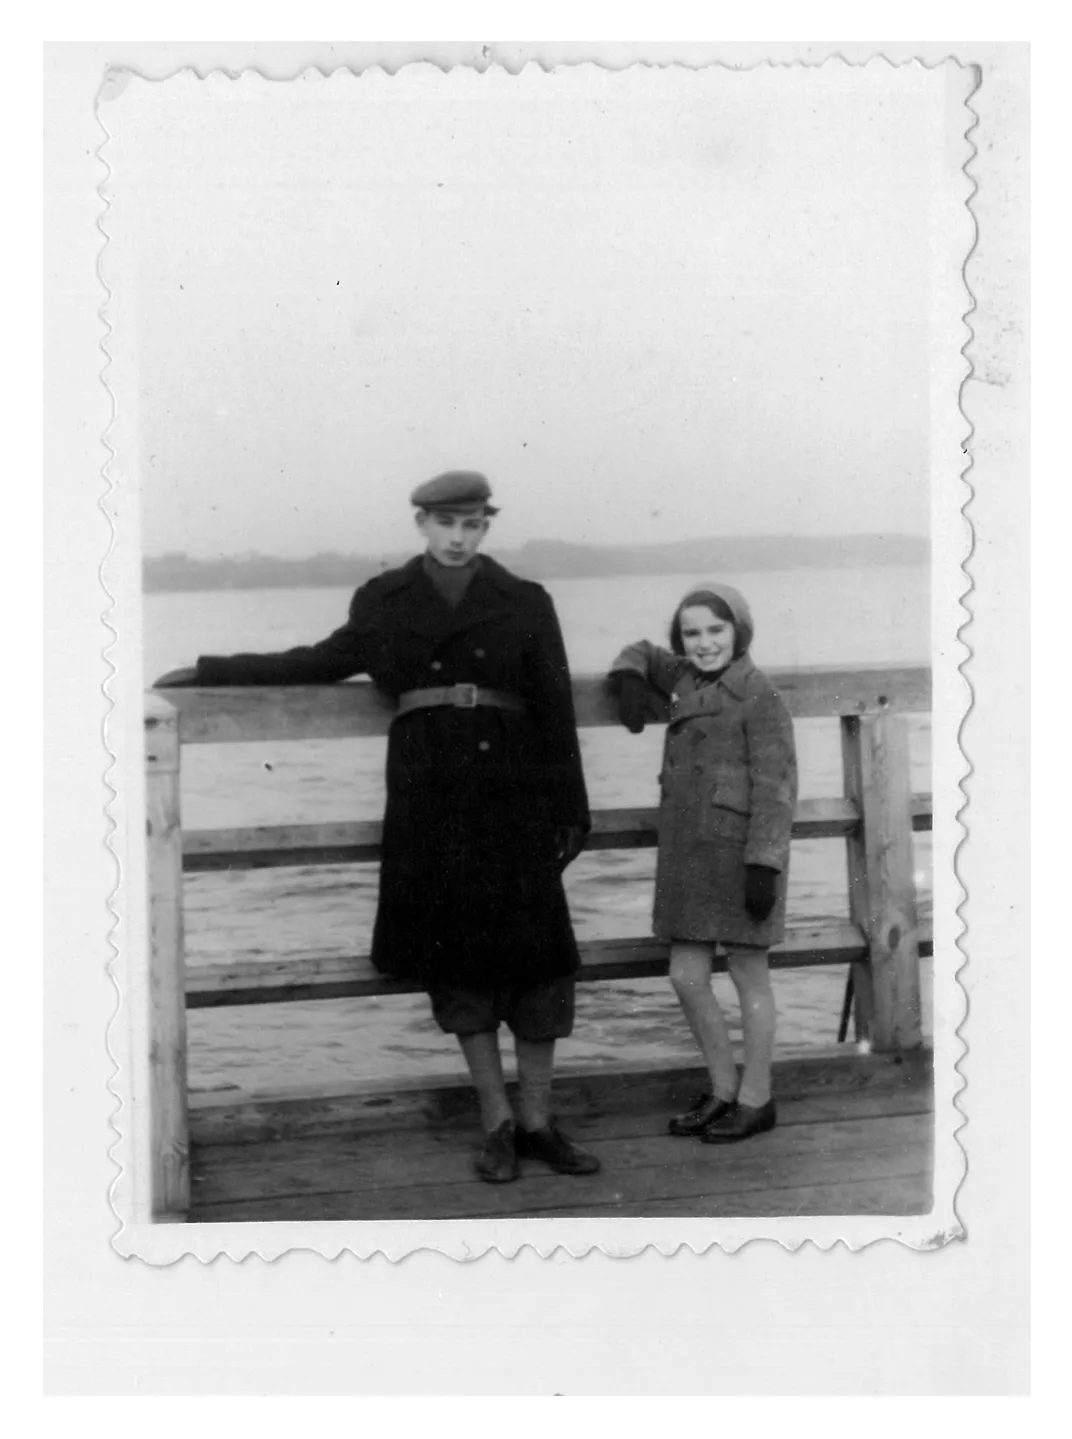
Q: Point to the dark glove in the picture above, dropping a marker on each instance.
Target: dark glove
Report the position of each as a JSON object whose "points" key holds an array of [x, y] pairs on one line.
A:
{"points": [[759, 890], [569, 841], [176, 679], [636, 706]]}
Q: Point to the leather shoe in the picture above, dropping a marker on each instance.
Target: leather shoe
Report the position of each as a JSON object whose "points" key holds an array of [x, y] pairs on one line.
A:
{"points": [[703, 1111], [497, 1161], [740, 1122], [552, 1147]]}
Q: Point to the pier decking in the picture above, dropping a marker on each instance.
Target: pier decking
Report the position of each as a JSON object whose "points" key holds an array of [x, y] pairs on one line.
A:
{"points": [[854, 1133], [852, 1138]]}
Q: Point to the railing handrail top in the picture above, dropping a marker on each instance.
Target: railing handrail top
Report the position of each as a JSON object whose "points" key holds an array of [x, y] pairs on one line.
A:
{"points": [[588, 677], [351, 709]]}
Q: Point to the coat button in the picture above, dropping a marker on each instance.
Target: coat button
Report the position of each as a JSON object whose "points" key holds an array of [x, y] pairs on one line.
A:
{"points": [[484, 745]]}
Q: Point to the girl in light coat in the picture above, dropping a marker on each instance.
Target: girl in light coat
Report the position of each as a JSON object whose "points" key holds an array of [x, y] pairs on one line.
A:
{"points": [[729, 785]]}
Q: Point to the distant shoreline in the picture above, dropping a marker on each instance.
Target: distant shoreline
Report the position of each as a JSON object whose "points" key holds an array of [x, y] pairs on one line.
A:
{"points": [[545, 560]]}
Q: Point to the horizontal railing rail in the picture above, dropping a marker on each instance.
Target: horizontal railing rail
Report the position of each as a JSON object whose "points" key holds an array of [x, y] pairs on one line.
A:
{"points": [[358, 841], [344, 976], [241, 714]]}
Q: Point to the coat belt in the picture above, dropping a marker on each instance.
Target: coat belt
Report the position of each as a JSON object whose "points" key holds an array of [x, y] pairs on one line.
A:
{"points": [[465, 697]]}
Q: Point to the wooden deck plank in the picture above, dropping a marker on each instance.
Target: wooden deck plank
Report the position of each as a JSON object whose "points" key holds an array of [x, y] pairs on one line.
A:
{"points": [[429, 1174], [363, 1167], [227, 1117], [239, 1169], [710, 1175], [606, 1123], [902, 1194]]}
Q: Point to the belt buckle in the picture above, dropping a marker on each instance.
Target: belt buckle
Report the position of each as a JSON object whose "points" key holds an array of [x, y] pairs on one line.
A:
{"points": [[465, 697]]}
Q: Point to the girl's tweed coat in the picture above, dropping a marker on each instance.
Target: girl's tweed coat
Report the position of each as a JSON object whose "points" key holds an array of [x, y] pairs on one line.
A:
{"points": [[728, 791]]}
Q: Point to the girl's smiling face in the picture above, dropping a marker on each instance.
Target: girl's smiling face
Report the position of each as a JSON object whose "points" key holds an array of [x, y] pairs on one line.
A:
{"points": [[706, 639]]}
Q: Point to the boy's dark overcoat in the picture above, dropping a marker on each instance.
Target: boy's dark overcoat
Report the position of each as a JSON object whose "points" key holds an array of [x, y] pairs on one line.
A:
{"points": [[470, 890], [729, 785]]}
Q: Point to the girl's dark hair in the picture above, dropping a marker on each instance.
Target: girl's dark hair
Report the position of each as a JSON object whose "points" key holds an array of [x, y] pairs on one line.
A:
{"points": [[714, 603]]}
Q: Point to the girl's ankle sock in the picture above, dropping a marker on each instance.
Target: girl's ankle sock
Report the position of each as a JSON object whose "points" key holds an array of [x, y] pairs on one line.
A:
{"points": [[725, 1081], [754, 1098]]}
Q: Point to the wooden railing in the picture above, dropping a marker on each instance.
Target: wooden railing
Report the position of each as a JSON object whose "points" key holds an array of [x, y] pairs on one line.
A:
{"points": [[880, 938]]}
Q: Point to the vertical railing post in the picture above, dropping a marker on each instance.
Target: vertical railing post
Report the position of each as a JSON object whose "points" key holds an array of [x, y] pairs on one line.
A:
{"points": [[882, 891], [168, 1126]]}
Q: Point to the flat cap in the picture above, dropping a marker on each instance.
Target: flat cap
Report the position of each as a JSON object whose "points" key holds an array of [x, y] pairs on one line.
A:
{"points": [[455, 490]]}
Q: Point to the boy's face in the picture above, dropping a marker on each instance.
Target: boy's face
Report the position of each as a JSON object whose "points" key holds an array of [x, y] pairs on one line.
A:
{"points": [[453, 539], [706, 639]]}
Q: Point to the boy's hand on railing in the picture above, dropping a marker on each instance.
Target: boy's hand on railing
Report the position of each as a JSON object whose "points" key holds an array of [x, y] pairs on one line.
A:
{"points": [[636, 703], [569, 841], [175, 679], [759, 890]]}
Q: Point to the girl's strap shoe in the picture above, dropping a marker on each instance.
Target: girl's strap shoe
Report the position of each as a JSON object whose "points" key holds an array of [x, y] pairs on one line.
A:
{"points": [[705, 1109], [740, 1122]]}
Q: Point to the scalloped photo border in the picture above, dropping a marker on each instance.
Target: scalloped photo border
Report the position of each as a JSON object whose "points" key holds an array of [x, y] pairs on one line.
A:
{"points": [[951, 616]]}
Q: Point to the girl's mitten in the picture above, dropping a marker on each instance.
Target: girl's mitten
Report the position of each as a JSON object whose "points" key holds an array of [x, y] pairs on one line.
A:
{"points": [[635, 708], [759, 890]]}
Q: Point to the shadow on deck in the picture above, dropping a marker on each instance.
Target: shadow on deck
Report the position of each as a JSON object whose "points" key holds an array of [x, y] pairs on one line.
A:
{"points": [[855, 1136]]}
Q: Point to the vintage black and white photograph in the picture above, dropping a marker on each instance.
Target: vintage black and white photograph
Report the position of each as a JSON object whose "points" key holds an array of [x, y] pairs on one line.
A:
{"points": [[537, 611]]}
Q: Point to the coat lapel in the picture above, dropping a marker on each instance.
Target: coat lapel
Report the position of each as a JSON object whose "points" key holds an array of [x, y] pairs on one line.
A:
{"points": [[736, 677], [693, 698], [421, 609], [482, 601]]}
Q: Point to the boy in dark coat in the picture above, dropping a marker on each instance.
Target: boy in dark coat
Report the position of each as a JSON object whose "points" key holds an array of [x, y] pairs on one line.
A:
{"points": [[486, 802]]}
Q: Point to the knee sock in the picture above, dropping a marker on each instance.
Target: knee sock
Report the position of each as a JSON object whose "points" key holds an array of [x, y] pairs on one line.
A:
{"points": [[535, 1065], [484, 1059]]}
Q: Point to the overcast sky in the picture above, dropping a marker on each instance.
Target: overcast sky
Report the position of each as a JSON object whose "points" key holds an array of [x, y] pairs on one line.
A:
{"points": [[650, 305]]}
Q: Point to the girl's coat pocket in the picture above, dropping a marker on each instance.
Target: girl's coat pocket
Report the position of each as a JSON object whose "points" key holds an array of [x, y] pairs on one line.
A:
{"points": [[728, 805]]}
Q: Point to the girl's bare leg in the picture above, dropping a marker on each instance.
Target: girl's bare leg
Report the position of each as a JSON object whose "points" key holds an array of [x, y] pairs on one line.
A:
{"points": [[484, 1059], [690, 975], [750, 973]]}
